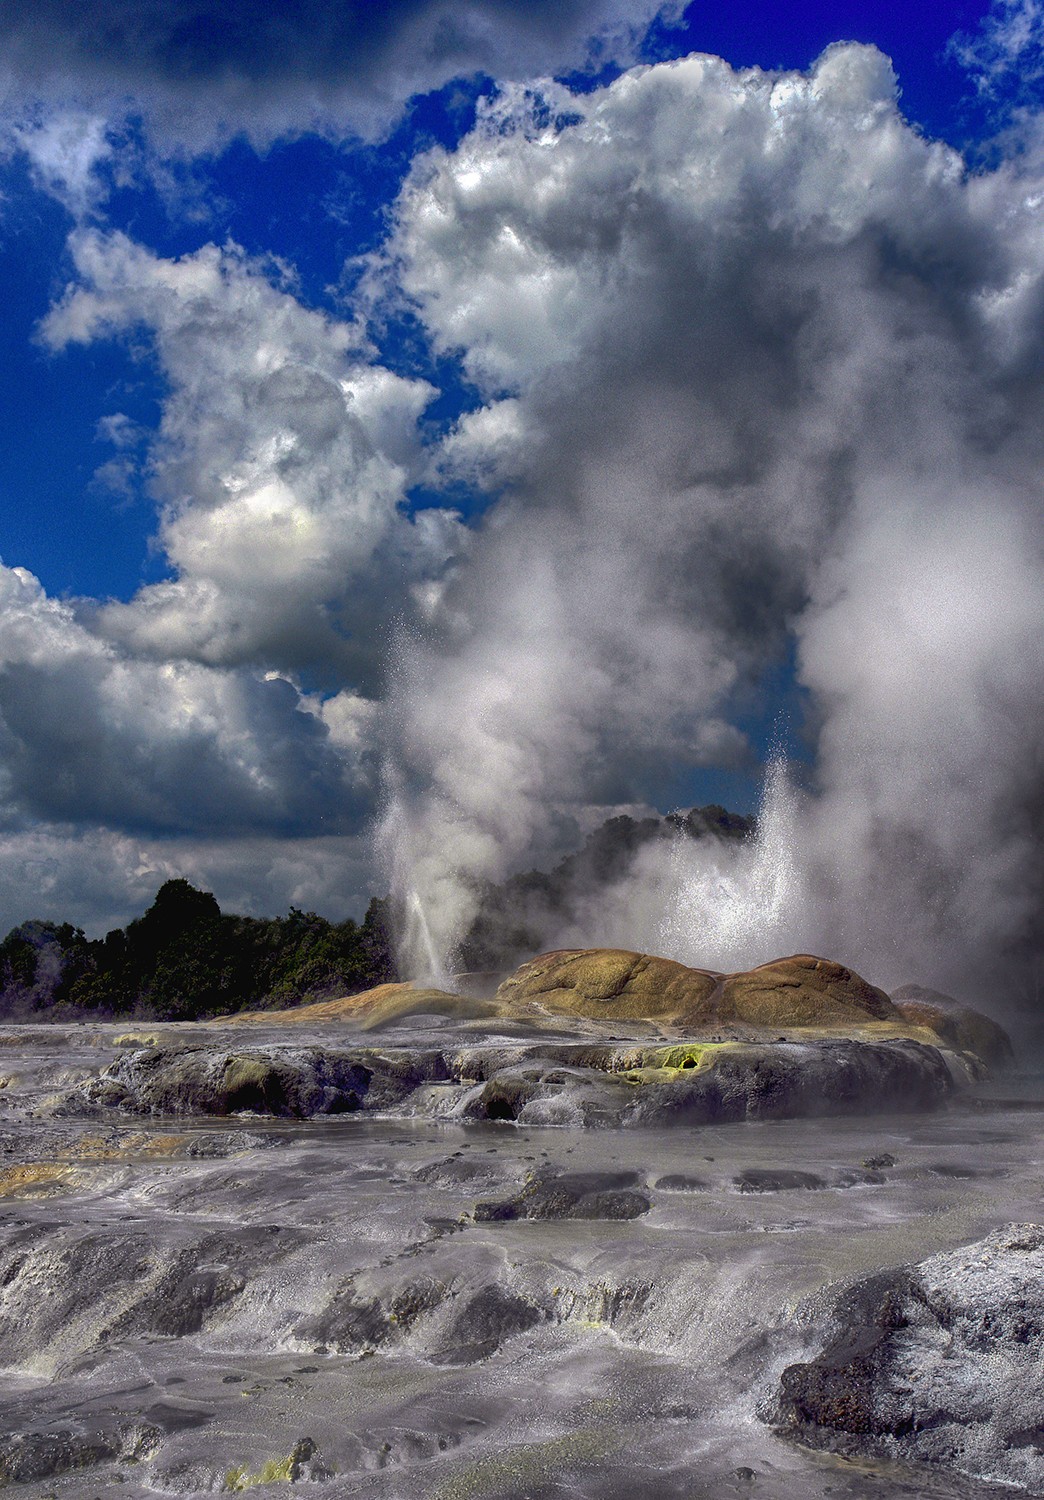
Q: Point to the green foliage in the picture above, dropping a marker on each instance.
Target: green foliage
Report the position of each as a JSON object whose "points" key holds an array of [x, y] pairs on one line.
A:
{"points": [[185, 959]]}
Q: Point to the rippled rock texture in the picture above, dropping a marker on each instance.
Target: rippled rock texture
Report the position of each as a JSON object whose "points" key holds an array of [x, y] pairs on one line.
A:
{"points": [[375, 1249], [939, 1362], [614, 984]]}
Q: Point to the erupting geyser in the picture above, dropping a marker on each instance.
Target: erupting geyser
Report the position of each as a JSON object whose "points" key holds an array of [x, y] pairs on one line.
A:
{"points": [[732, 907], [421, 962]]}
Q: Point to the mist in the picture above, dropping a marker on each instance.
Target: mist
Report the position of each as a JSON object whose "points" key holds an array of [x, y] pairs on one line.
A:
{"points": [[760, 377]]}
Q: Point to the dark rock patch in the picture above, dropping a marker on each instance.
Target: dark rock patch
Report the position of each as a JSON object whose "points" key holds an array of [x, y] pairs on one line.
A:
{"points": [[130, 1286], [572, 1195], [26, 1457], [680, 1182], [776, 1180], [486, 1319], [857, 1177], [352, 1324], [453, 1170], [760, 1080]]}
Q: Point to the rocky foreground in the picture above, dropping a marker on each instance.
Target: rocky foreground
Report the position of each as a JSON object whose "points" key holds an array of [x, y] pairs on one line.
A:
{"points": [[374, 1248], [602, 1037]]}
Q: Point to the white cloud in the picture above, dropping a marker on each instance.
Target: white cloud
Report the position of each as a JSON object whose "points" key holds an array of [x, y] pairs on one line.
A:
{"points": [[89, 734], [101, 879], [65, 147], [1006, 50], [281, 464]]}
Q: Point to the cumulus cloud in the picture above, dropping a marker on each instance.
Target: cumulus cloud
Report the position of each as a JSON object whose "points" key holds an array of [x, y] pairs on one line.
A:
{"points": [[774, 357], [200, 75], [89, 734], [280, 467], [760, 379], [239, 698], [101, 878]]}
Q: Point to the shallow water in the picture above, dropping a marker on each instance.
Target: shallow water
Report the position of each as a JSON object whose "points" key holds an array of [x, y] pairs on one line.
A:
{"points": [[198, 1296]]}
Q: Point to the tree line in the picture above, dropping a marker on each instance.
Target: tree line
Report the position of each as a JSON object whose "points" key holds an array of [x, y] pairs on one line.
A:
{"points": [[185, 959]]}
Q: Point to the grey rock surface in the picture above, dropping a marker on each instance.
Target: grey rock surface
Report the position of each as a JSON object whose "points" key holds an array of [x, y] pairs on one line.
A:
{"points": [[939, 1362], [531, 1083]]}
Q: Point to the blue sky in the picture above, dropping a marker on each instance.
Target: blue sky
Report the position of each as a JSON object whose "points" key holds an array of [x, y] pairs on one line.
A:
{"points": [[305, 364], [318, 205]]}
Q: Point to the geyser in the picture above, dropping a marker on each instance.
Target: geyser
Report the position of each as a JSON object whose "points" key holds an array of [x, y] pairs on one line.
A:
{"points": [[735, 906], [422, 963], [771, 399]]}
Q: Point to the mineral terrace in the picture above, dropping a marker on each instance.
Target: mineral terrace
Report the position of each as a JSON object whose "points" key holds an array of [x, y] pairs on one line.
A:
{"points": [[605, 1227]]}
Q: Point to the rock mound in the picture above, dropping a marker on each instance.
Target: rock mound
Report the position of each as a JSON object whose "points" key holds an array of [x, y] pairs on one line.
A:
{"points": [[370, 1009], [616, 984], [803, 991], [962, 1027], [619, 987], [610, 984], [938, 1362]]}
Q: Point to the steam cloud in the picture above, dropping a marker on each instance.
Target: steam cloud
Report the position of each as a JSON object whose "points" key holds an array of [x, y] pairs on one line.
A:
{"points": [[760, 368]]}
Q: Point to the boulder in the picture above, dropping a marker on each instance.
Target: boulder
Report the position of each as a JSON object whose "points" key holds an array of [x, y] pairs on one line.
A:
{"points": [[937, 1362], [958, 1025]]}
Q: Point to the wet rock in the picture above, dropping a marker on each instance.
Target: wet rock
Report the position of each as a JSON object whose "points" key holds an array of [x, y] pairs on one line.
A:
{"points": [[680, 1182], [50, 1281], [503, 1097], [938, 1362], [572, 1195], [494, 1313], [29, 1456], [353, 1324], [66, 1293], [759, 1080], [849, 1177], [349, 1325], [777, 1180], [290, 1082], [201, 1278], [879, 1161], [453, 1170], [959, 1025]]}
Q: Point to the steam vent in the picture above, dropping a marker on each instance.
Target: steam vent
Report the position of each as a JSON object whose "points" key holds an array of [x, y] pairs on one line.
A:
{"points": [[606, 1226]]}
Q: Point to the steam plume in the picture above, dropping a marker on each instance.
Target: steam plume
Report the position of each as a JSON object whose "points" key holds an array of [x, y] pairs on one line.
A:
{"points": [[761, 370]]}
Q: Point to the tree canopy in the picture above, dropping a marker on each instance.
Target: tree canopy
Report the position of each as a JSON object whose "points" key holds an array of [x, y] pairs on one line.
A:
{"points": [[185, 959]]}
